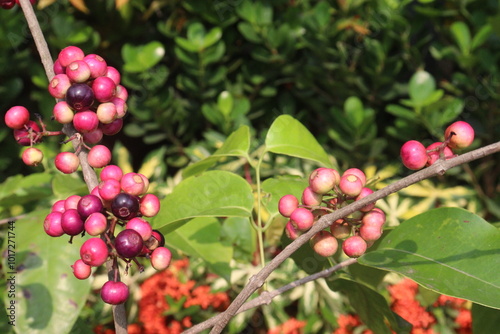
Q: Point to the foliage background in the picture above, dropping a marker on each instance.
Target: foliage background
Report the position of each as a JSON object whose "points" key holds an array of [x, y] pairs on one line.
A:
{"points": [[362, 76]]}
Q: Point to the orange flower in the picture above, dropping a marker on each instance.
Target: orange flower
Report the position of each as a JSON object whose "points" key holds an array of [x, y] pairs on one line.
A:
{"points": [[464, 320], [291, 326]]}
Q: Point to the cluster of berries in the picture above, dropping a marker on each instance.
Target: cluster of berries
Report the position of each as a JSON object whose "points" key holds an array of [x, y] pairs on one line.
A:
{"points": [[8, 4], [416, 156], [327, 192], [92, 98], [119, 199]]}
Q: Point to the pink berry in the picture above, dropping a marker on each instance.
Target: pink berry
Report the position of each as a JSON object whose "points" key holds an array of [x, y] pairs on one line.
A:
{"points": [[81, 270], [460, 135], [111, 172], [71, 222], [106, 112], [58, 68], [67, 162], [59, 85], [112, 128], [374, 218], [63, 113], [340, 229], [413, 155], [121, 93], [113, 74], [16, 117], [96, 224], [99, 156], [351, 185], [133, 184], [109, 189], [287, 204], [94, 252], [25, 136], [121, 107], [97, 64], [302, 219], [322, 180], [370, 233], [85, 121], [93, 137], [311, 198], [58, 206], [78, 71], [52, 224], [365, 192], [358, 172], [149, 205], [433, 156], [354, 246], [32, 156], [104, 89], [324, 243], [160, 258], [70, 54], [114, 293], [72, 202], [291, 231], [141, 226]]}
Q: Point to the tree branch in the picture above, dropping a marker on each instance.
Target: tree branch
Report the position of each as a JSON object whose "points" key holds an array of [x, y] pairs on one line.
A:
{"points": [[256, 281], [89, 175]]}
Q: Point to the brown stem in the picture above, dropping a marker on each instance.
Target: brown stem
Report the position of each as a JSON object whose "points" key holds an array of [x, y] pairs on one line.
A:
{"points": [[256, 281], [89, 175]]}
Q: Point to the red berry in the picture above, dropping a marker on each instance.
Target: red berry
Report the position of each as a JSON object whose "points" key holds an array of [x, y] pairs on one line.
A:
{"points": [[322, 180], [26, 135], [63, 113], [141, 226], [99, 156], [78, 71], [354, 246], [70, 54], [85, 121], [365, 192], [72, 202], [133, 184], [81, 270], [95, 224], [71, 222], [109, 189], [67, 162], [93, 137], [358, 172], [351, 185], [52, 224], [121, 93], [433, 156], [94, 252], [106, 112], [112, 128], [114, 293], [291, 231], [302, 219], [149, 205], [311, 198], [324, 243], [111, 172], [58, 206], [340, 229], [287, 204], [413, 155], [88, 205], [59, 85], [113, 74], [16, 117], [460, 135], [97, 64], [104, 89]]}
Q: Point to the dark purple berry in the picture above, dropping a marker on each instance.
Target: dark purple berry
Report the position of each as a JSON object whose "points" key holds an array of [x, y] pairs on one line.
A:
{"points": [[125, 206], [88, 205], [79, 96], [128, 243]]}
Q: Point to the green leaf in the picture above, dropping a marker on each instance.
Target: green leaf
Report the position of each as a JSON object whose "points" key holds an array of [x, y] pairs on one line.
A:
{"points": [[482, 35], [247, 30], [369, 276], [485, 319], [420, 87], [211, 194], [371, 307], [275, 188], [201, 238], [65, 185], [238, 232], [461, 34], [22, 189], [288, 136], [402, 112], [305, 257], [353, 108], [196, 34], [49, 298], [236, 145], [213, 36], [225, 103], [142, 57], [186, 44], [447, 250]]}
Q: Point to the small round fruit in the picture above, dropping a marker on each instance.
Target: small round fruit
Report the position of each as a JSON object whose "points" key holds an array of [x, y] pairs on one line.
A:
{"points": [[71, 222], [112, 128], [354, 246], [80, 96], [291, 231], [99, 156], [311, 198], [16, 117], [133, 184], [413, 154], [433, 156], [128, 243], [370, 232], [97, 64], [287, 204], [302, 219], [67, 162], [114, 293], [111, 172], [340, 230], [358, 172], [460, 135], [160, 258], [72, 202], [81, 270], [106, 112], [59, 85], [85, 121], [32, 156], [78, 71], [26, 135], [149, 205], [141, 226], [88, 205], [109, 189], [324, 243], [63, 113], [70, 54], [113, 74], [52, 224], [93, 137], [104, 89], [95, 224], [58, 206], [351, 185], [365, 192], [322, 180], [94, 252], [125, 206]]}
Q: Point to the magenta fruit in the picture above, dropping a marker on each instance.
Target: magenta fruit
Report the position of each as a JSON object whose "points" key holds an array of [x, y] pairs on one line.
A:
{"points": [[32, 156], [413, 154], [121, 107], [58, 206], [354, 246], [80, 96], [125, 206], [88, 205], [351, 185], [358, 172], [324, 243], [24, 136], [287, 204], [433, 155], [93, 137], [149, 205], [109, 189], [63, 113], [159, 237], [97, 64], [67, 162], [70, 54], [59, 85], [58, 68], [291, 231], [71, 222], [72, 202], [114, 293], [302, 219], [85, 121], [81, 270], [133, 184], [111, 172], [95, 224], [310, 198], [121, 93], [52, 224], [459, 135], [78, 71], [112, 128], [104, 89], [160, 258], [113, 74], [94, 252], [99, 156], [370, 232], [322, 180], [141, 226], [128, 243], [106, 112], [365, 192], [16, 117]]}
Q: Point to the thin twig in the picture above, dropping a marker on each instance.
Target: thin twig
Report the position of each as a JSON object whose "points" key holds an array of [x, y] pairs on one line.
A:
{"points": [[256, 281], [89, 175]]}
